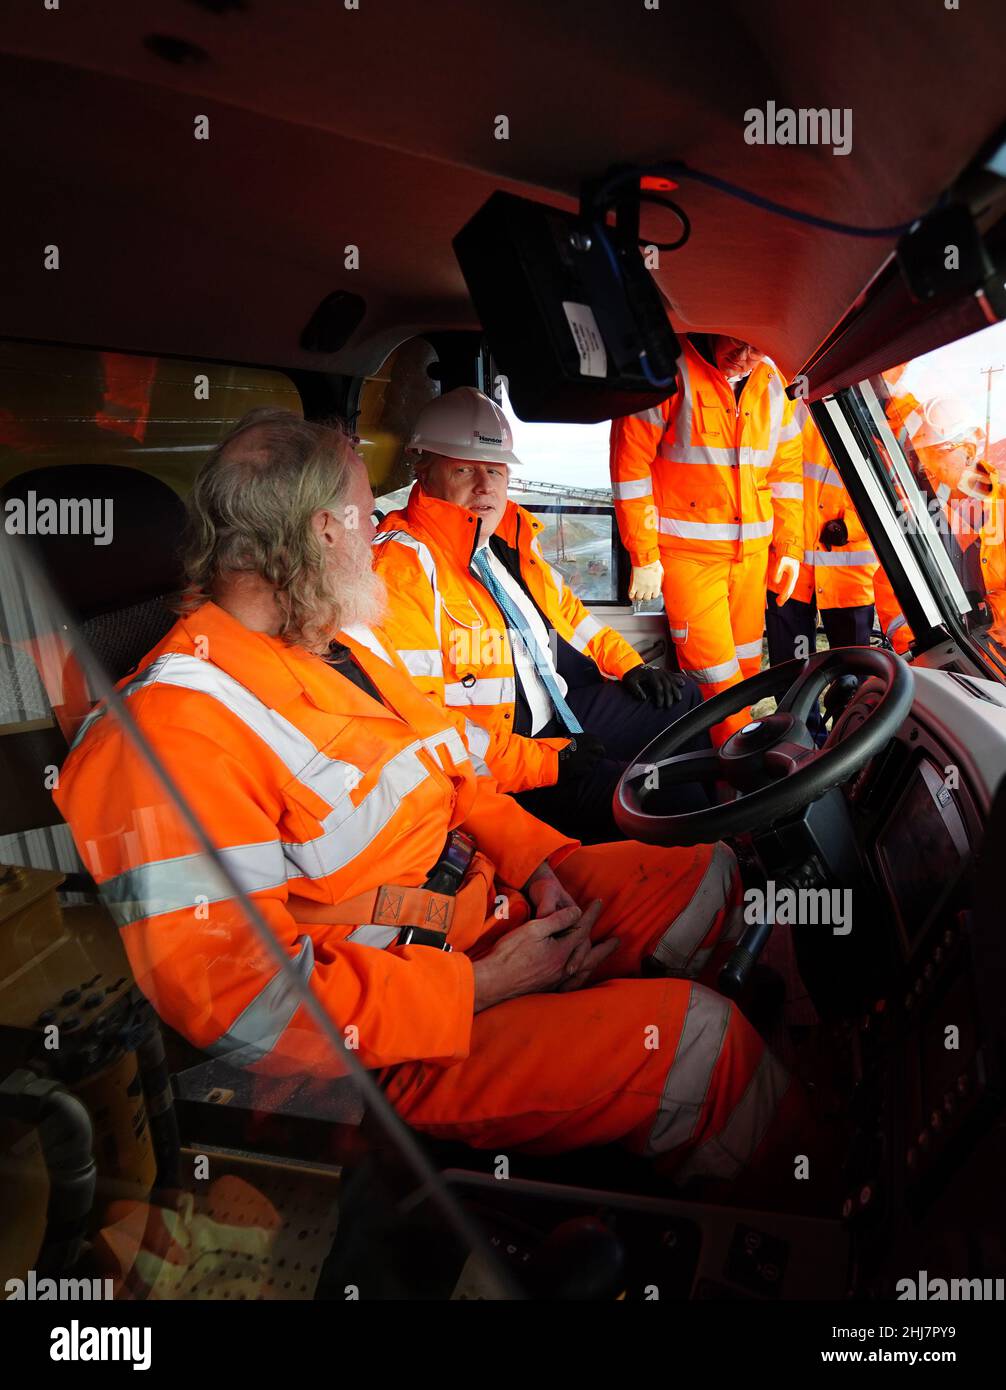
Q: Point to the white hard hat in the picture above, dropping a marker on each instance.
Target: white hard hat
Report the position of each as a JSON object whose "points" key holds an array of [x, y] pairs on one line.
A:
{"points": [[944, 421], [464, 424]]}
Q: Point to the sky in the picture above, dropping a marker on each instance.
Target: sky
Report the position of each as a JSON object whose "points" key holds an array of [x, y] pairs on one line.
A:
{"points": [[956, 370], [568, 453]]}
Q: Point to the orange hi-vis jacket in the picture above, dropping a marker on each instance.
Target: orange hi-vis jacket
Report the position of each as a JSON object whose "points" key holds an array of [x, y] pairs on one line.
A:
{"points": [[315, 795], [843, 576], [452, 637], [707, 474], [993, 553]]}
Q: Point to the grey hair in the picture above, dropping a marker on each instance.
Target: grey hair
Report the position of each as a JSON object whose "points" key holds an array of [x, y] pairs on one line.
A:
{"points": [[250, 512]]}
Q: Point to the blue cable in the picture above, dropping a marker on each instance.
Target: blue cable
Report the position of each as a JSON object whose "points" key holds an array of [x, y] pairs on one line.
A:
{"points": [[644, 364], [677, 169]]}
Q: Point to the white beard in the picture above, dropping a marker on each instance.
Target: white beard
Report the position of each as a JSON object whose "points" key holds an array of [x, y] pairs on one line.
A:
{"points": [[361, 592]]}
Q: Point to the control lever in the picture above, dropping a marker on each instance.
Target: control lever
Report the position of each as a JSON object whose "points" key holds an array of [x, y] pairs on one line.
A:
{"points": [[736, 971]]}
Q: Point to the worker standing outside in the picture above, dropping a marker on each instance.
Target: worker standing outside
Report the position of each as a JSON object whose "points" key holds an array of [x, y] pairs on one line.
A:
{"points": [[556, 701], [837, 572], [704, 485], [450, 939]]}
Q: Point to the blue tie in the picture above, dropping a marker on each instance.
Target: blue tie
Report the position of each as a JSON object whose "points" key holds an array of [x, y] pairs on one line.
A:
{"points": [[518, 624]]}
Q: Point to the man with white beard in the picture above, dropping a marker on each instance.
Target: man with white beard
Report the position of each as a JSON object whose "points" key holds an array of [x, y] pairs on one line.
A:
{"points": [[428, 923]]}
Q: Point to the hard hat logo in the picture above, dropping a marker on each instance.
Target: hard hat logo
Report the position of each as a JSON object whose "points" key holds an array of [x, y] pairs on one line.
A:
{"points": [[464, 424]]}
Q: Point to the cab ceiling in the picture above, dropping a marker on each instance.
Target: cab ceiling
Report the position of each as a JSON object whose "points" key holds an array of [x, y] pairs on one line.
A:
{"points": [[375, 127]]}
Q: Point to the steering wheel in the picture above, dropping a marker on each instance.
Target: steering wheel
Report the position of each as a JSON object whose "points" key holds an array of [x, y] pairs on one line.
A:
{"points": [[773, 763]]}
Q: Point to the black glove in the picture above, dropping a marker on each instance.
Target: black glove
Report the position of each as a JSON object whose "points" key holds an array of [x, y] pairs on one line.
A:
{"points": [[834, 532], [581, 754], [652, 683]]}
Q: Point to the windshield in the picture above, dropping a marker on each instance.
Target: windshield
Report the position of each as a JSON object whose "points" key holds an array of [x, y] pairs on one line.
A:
{"points": [[938, 429], [926, 449]]}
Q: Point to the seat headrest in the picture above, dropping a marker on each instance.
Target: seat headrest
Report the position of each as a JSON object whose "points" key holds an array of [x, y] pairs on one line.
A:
{"points": [[143, 516]]}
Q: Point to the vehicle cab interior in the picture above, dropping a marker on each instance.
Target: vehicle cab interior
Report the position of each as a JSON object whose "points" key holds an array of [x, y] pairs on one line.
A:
{"points": [[347, 213]]}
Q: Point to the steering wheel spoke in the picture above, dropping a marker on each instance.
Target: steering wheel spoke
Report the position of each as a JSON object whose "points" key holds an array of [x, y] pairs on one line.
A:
{"points": [[802, 695], [701, 765], [771, 762]]}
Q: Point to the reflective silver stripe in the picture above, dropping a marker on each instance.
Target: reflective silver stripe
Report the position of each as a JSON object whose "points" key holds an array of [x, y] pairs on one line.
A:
{"points": [[679, 634], [788, 432], [714, 456], [895, 623], [715, 530], [349, 830], [652, 416], [425, 559], [746, 649], [422, 661], [723, 1155], [690, 1074], [639, 487], [330, 779], [478, 738], [146, 677], [831, 558], [791, 490], [261, 1024], [821, 473], [189, 880], [370, 934], [585, 629], [680, 941], [708, 675], [499, 691], [366, 637]]}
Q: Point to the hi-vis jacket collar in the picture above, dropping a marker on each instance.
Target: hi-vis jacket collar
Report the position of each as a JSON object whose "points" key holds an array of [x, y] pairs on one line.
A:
{"points": [[457, 529], [274, 671]]}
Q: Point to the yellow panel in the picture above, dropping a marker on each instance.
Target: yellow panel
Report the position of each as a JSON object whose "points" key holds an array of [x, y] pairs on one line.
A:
{"points": [[72, 405], [389, 403]]}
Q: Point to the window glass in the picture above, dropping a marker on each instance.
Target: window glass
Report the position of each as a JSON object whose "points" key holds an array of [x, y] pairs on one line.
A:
{"points": [[564, 479], [160, 414], [580, 544], [946, 414], [389, 402]]}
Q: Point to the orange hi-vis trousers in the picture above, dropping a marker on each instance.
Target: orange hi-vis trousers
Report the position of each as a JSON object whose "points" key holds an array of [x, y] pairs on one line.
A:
{"points": [[663, 1066], [716, 612]]}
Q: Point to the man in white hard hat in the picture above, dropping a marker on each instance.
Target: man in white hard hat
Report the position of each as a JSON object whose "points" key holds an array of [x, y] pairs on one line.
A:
{"points": [[556, 702], [948, 447]]}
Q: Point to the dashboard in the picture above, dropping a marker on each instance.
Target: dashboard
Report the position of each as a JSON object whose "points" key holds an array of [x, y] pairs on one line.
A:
{"points": [[909, 1001], [926, 1044]]}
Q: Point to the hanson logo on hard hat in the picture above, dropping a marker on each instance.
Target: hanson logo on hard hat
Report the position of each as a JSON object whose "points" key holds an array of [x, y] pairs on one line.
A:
{"points": [[464, 424]]}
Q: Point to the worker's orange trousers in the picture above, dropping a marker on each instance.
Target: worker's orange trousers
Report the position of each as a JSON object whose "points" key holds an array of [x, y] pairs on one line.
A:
{"points": [[716, 612], [664, 1066]]}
